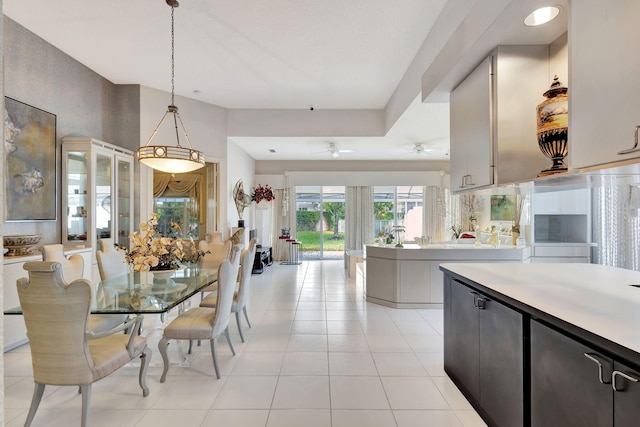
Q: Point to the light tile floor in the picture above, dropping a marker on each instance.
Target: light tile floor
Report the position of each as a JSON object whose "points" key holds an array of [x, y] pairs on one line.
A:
{"points": [[318, 355]]}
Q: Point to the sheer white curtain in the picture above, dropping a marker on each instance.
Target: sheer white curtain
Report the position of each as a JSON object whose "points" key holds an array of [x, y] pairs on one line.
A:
{"points": [[435, 213], [616, 225], [358, 217], [454, 215], [278, 221]]}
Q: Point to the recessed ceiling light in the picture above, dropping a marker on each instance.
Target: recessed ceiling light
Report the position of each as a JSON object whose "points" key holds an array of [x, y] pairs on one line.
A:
{"points": [[541, 16]]}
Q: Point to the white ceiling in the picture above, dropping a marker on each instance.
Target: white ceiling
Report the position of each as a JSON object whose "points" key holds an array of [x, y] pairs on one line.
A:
{"points": [[261, 54]]}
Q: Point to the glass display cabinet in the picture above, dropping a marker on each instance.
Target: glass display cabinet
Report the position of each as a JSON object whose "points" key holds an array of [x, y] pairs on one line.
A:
{"points": [[97, 182]]}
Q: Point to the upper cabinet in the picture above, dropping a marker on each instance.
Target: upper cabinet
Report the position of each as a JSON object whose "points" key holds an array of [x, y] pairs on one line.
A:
{"points": [[97, 184], [604, 94], [493, 119], [471, 161]]}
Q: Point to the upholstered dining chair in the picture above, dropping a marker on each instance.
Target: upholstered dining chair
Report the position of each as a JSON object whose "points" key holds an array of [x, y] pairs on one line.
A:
{"points": [[218, 250], [63, 349], [203, 323], [111, 263], [241, 296], [73, 269], [252, 247]]}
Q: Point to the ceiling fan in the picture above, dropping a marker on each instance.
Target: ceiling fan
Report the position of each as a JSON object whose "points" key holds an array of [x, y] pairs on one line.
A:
{"points": [[419, 149], [335, 151]]}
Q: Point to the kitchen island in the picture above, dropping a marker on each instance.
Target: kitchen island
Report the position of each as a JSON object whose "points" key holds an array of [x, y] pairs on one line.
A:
{"points": [[409, 277], [544, 344]]}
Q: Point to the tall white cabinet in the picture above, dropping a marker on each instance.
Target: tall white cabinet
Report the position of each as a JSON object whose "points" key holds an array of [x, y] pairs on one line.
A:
{"points": [[604, 94], [97, 183]]}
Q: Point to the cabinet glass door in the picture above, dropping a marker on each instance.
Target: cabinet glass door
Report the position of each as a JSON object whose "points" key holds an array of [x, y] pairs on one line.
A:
{"points": [[104, 197], [123, 217], [77, 196]]}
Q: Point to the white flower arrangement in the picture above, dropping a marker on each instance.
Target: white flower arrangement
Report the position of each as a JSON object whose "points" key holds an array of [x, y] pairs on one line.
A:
{"points": [[151, 251]]}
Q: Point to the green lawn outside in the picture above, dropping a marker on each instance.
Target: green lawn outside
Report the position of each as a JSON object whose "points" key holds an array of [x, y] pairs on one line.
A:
{"points": [[311, 241]]}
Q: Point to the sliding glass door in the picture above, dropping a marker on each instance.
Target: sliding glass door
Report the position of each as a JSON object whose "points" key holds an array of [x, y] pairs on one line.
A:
{"points": [[320, 221]]}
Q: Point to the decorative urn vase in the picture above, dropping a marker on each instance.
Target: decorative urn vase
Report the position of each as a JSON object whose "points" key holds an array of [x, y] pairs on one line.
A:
{"points": [[553, 119]]}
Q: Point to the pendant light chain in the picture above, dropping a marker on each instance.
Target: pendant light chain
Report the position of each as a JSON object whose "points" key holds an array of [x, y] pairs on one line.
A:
{"points": [[172, 57]]}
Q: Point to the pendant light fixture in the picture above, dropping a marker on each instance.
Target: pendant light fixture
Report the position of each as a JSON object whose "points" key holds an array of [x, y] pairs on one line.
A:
{"points": [[166, 158]]}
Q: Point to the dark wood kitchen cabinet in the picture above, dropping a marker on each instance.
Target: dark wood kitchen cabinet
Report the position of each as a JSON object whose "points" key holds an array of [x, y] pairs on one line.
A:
{"points": [[484, 353], [571, 384], [626, 398]]}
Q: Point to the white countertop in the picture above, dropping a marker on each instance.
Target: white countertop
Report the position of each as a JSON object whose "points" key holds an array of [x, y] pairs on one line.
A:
{"points": [[593, 297], [36, 254], [450, 252]]}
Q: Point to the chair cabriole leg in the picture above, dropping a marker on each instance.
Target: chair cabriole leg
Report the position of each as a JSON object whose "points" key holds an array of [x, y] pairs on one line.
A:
{"points": [[239, 325], [214, 355], [86, 401], [162, 346], [145, 357], [38, 391], [226, 334], [246, 316]]}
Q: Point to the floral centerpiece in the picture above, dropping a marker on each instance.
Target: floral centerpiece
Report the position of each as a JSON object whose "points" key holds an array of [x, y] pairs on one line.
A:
{"points": [[384, 238], [151, 251], [261, 193], [191, 252]]}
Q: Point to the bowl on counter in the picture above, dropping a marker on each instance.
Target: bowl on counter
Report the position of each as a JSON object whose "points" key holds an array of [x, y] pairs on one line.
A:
{"points": [[423, 241], [20, 244]]}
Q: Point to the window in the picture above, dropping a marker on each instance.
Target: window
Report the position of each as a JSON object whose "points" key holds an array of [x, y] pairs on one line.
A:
{"points": [[182, 198], [398, 206], [177, 209]]}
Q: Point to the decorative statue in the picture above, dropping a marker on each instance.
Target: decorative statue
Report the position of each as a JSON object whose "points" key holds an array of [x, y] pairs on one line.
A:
{"points": [[241, 199]]}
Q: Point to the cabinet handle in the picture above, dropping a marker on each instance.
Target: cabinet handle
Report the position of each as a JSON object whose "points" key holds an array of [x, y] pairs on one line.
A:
{"points": [[465, 182], [623, 375], [592, 357], [635, 143], [475, 296], [479, 302]]}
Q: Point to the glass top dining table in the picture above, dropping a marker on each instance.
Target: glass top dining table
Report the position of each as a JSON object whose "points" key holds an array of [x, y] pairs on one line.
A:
{"points": [[147, 292]]}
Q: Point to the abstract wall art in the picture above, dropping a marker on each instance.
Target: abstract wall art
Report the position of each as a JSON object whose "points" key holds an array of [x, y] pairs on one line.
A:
{"points": [[30, 163]]}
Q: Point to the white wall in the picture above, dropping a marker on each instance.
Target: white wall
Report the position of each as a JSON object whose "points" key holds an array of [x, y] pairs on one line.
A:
{"points": [[239, 166]]}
